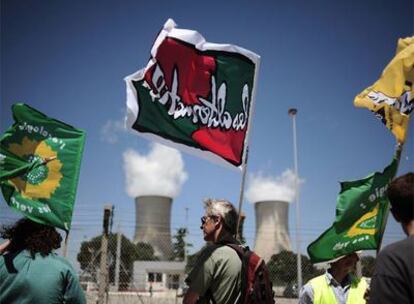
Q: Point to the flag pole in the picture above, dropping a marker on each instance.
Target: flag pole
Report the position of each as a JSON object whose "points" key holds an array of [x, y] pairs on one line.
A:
{"points": [[243, 181], [398, 152], [246, 146], [65, 245], [292, 113]]}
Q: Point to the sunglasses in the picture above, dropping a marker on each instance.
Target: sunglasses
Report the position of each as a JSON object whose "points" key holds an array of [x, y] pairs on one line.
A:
{"points": [[204, 219]]}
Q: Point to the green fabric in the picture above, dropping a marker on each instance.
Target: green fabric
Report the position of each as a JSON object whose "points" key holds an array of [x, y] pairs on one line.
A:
{"points": [[360, 217], [219, 275], [44, 192], [42, 280], [12, 165], [201, 99], [323, 293]]}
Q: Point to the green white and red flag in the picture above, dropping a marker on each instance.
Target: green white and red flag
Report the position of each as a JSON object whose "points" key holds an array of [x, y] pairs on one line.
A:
{"points": [[194, 95]]}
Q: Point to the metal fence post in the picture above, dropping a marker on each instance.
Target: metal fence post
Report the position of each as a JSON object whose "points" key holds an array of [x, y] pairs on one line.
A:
{"points": [[103, 273]]}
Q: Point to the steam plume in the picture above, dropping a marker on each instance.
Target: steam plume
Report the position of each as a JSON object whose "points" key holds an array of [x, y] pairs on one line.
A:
{"points": [[160, 172], [268, 188]]}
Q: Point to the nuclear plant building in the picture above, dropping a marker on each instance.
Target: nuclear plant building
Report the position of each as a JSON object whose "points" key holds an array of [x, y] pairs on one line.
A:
{"points": [[272, 234], [153, 219]]}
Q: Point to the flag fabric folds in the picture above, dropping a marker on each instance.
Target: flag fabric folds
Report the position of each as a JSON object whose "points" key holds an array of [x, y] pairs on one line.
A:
{"points": [[41, 159], [391, 97], [360, 221], [194, 95], [11, 165]]}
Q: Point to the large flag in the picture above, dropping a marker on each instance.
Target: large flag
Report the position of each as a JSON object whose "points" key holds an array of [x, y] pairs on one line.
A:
{"points": [[360, 220], [391, 97], [11, 165], [195, 95], [41, 160]]}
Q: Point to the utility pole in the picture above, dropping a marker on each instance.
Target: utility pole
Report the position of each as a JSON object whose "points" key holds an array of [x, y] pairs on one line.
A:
{"points": [[186, 235], [118, 258], [292, 113], [103, 273]]}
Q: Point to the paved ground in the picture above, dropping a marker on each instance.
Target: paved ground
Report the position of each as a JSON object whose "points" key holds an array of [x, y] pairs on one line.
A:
{"points": [[134, 298], [286, 301]]}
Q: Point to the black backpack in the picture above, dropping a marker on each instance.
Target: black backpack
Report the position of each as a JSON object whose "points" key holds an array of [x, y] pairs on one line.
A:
{"points": [[256, 286]]}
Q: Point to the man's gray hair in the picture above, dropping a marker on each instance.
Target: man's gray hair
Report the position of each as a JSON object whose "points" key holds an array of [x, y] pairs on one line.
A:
{"points": [[224, 209]]}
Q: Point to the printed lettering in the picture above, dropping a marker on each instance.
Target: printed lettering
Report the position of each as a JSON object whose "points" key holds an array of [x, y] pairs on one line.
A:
{"points": [[24, 126], [211, 112]]}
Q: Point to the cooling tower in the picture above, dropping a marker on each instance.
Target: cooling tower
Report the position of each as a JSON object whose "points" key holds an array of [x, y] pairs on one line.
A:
{"points": [[272, 234], [153, 217]]}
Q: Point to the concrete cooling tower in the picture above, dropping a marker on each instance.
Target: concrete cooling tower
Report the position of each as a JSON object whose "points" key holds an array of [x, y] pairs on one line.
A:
{"points": [[153, 218], [272, 234]]}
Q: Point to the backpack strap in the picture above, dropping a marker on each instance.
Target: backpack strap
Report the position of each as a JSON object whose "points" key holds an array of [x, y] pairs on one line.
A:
{"points": [[244, 255], [209, 297]]}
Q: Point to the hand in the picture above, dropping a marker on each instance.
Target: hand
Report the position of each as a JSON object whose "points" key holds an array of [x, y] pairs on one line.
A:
{"points": [[4, 246], [190, 297], [366, 294]]}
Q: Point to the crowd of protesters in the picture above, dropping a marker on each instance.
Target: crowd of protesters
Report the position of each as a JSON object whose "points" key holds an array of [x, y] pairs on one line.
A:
{"points": [[30, 272]]}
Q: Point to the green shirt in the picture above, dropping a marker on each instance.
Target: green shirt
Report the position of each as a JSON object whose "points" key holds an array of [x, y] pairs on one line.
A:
{"points": [[217, 273], [44, 280]]}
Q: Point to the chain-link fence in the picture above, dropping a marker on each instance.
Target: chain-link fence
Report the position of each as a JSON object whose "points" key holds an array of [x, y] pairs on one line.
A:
{"points": [[136, 274]]}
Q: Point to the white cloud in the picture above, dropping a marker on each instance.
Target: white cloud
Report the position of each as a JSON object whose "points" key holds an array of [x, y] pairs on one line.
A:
{"points": [[111, 129], [160, 172], [268, 188]]}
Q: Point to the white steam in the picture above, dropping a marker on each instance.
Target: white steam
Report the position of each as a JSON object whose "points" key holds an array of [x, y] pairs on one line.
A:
{"points": [[160, 172], [267, 188], [111, 130]]}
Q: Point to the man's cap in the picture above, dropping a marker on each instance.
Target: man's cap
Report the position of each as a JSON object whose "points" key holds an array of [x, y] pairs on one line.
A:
{"points": [[358, 253]]}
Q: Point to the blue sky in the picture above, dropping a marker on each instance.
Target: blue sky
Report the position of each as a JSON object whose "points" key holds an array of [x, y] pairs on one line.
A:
{"points": [[68, 60]]}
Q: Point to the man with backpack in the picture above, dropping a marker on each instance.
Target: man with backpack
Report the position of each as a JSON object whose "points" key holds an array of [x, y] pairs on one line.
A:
{"points": [[216, 276], [226, 272]]}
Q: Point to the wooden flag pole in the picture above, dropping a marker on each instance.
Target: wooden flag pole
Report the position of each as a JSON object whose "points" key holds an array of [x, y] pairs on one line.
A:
{"points": [[246, 147], [241, 197], [398, 152], [65, 245]]}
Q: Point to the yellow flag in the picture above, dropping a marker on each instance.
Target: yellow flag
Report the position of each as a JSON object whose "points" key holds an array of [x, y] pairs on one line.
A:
{"points": [[391, 97]]}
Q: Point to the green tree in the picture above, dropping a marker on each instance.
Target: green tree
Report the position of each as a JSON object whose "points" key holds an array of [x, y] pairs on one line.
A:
{"points": [[179, 244], [89, 257], [283, 268], [145, 252]]}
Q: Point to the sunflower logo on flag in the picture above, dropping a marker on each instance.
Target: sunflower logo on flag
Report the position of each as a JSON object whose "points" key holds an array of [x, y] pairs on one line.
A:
{"points": [[42, 181], [41, 164]]}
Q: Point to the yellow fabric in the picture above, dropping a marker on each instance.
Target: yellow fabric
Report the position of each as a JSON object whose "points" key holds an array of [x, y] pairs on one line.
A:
{"points": [[391, 98], [323, 293], [356, 294]]}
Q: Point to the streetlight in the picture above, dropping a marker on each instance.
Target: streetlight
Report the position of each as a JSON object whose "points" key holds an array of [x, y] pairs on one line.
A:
{"points": [[292, 113]]}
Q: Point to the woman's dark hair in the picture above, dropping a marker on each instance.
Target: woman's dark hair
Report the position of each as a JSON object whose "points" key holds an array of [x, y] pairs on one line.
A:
{"points": [[32, 236], [401, 195]]}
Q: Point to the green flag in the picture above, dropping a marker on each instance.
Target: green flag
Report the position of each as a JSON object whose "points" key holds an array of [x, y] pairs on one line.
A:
{"points": [[11, 165], [359, 222], [40, 162]]}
